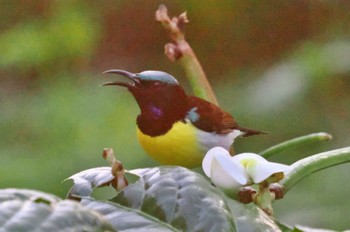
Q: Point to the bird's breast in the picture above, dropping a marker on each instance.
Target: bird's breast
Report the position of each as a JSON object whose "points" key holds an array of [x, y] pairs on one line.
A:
{"points": [[183, 144], [179, 146]]}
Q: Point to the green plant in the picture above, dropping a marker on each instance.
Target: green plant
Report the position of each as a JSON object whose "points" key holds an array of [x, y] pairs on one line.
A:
{"points": [[163, 198]]}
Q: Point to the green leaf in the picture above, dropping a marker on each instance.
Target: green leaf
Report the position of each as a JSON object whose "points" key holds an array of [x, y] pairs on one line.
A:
{"points": [[179, 197], [186, 201], [27, 194], [85, 181], [127, 219], [28, 210], [251, 218]]}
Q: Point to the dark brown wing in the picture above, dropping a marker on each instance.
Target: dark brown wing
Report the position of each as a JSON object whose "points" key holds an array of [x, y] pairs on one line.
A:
{"points": [[211, 118]]}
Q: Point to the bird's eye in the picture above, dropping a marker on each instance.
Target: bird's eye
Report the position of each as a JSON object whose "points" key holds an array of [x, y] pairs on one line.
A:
{"points": [[147, 83]]}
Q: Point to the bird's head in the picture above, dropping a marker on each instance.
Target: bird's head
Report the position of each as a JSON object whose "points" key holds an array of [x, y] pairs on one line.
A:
{"points": [[157, 93], [145, 80]]}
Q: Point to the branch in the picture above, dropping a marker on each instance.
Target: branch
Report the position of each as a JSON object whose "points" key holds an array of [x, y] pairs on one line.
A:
{"points": [[181, 51], [306, 166], [302, 140]]}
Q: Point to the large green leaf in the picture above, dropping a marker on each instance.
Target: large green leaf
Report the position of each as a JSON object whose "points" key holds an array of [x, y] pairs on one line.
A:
{"points": [[251, 218], [186, 201], [28, 210], [86, 181], [126, 219]]}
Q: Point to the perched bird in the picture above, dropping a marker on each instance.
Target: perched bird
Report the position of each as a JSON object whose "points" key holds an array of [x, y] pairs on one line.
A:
{"points": [[175, 128]]}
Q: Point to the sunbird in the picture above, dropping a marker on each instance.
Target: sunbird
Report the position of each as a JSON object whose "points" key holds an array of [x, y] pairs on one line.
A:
{"points": [[174, 128]]}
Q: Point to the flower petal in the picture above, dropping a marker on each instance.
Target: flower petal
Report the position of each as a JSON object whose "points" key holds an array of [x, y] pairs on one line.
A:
{"points": [[247, 155], [223, 171], [226, 172], [264, 170], [208, 158], [258, 168]]}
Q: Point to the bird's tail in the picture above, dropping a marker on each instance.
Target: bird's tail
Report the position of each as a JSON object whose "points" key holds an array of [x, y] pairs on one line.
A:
{"points": [[250, 132]]}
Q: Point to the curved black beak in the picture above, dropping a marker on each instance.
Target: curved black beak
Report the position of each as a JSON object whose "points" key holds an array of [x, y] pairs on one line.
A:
{"points": [[131, 76]]}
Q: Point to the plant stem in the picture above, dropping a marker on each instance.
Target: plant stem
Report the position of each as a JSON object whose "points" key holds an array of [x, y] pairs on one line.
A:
{"points": [[306, 166], [197, 77], [181, 51], [302, 140], [264, 199]]}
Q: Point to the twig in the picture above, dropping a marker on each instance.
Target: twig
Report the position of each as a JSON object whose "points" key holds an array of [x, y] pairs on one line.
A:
{"points": [[119, 182], [302, 140], [311, 164], [181, 51]]}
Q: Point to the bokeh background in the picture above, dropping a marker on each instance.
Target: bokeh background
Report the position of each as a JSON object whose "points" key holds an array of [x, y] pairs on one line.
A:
{"points": [[278, 66]]}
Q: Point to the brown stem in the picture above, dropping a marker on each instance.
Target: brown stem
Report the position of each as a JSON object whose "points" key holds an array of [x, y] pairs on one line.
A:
{"points": [[181, 51], [119, 182]]}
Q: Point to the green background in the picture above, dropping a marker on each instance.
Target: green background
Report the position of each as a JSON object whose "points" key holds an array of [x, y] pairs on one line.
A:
{"points": [[277, 66]]}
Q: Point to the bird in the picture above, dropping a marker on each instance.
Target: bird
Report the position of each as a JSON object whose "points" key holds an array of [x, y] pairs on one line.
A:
{"points": [[175, 128]]}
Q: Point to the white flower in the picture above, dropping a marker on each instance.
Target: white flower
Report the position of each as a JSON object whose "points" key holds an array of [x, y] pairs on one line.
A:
{"points": [[232, 172]]}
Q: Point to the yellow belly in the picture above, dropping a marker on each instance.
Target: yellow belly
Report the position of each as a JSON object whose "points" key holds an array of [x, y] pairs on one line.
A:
{"points": [[179, 146]]}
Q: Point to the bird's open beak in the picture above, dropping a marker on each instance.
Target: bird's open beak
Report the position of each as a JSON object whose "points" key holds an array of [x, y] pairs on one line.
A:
{"points": [[131, 76]]}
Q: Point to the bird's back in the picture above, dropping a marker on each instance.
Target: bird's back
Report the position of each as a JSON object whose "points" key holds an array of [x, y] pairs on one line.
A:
{"points": [[212, 118]]}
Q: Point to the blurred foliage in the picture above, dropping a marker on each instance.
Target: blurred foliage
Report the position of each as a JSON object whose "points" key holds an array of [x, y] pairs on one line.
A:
{"points": [[278, 66], [62, 40]]}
